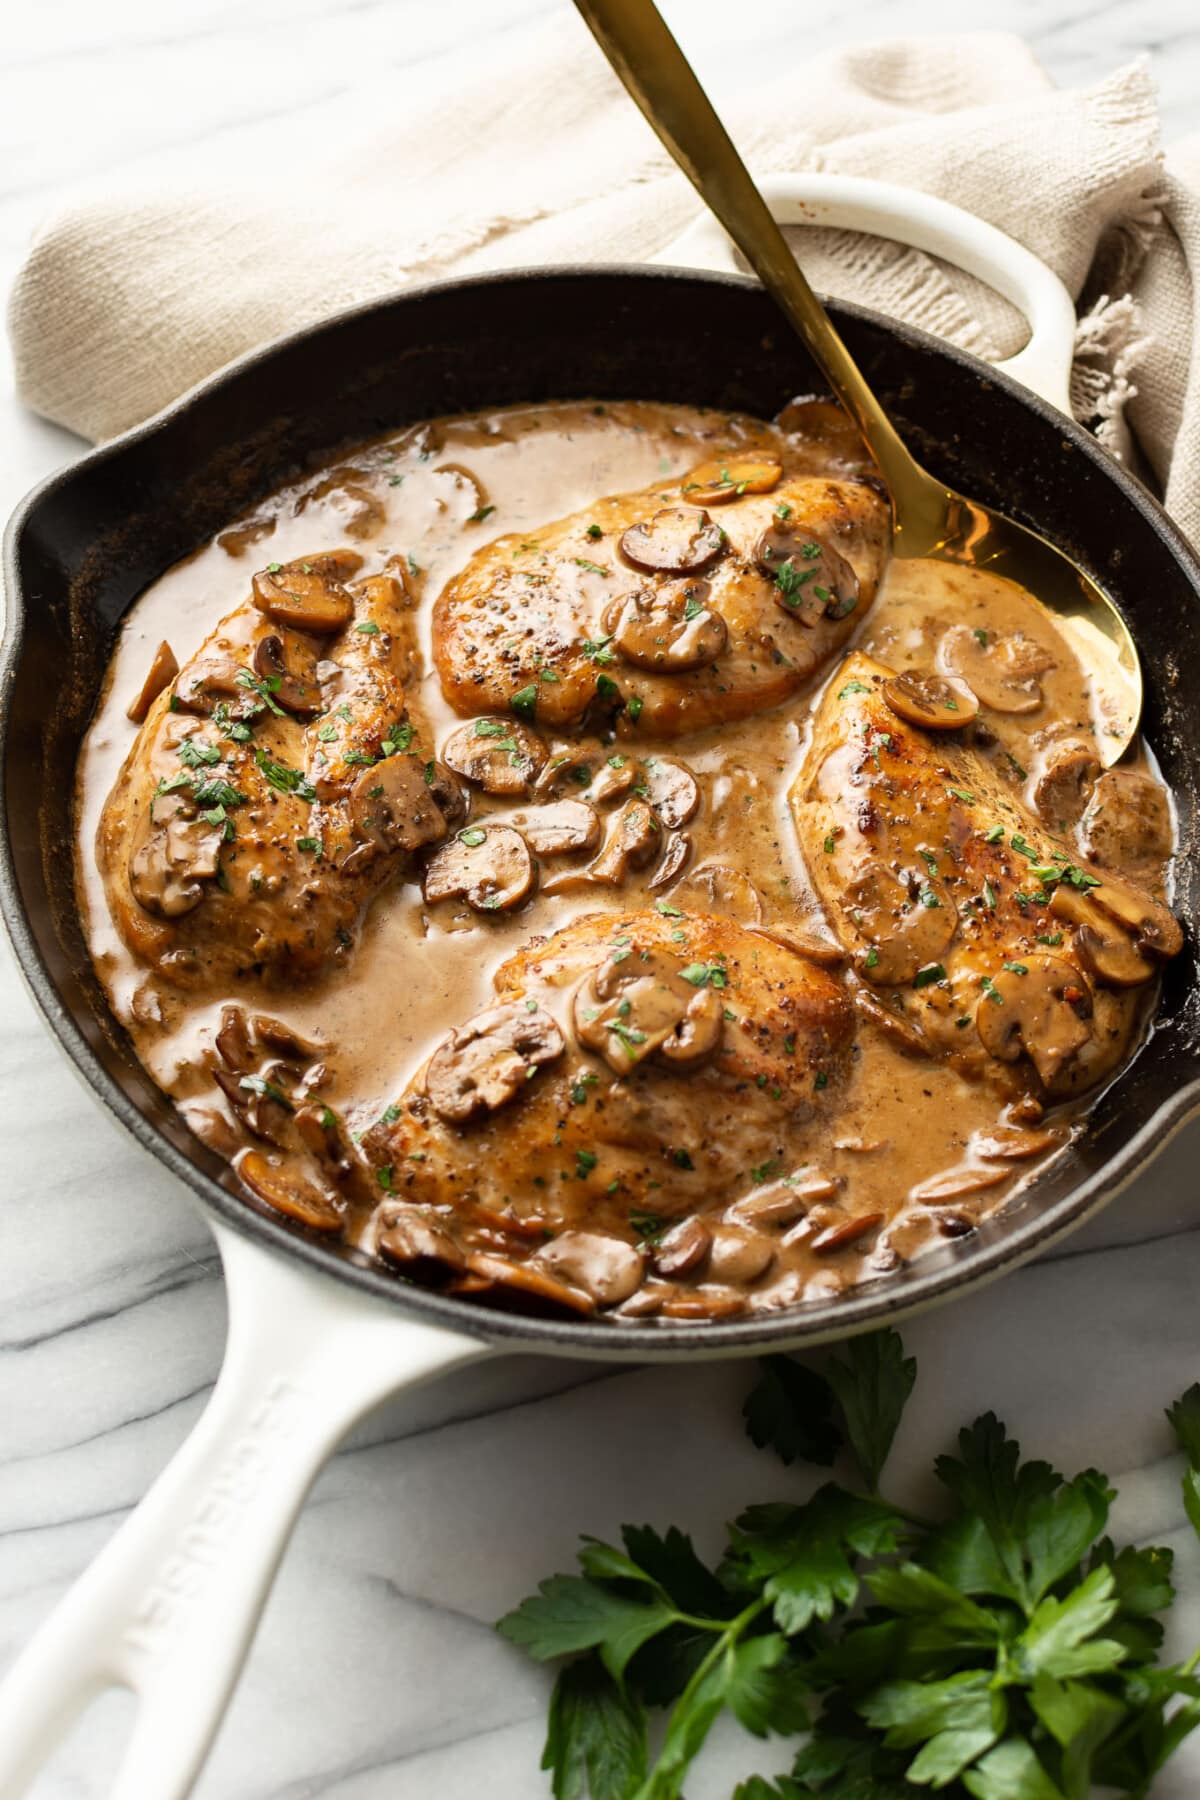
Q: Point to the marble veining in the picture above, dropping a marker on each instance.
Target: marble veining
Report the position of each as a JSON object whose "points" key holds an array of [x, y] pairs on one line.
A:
{"points": [[376, 1672]]}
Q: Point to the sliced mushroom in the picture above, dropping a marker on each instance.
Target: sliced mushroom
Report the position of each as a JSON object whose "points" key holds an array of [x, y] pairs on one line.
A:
{"points": [[739, 1256], [1010, 1143], [671, 790], [1041, 1007], [902, 1032], [498, 755], [411, 1240], [713, 483], [934, 702], [1155, 930], [161, 673], [392, 805], [719, 887], [642, 1005], [233, 1040], [489, 1061], [169, 867], [1107, 949], [1127, 822], [1001, 672], [812, 579], [496, 1281], [782, 1202], [908, 923], [840, 1237], [678, 540], [361, 512], [283, 1187], [1063, 778], [488, 866], [632, 839], [560, 829], [209, 680], [284, 1038], [668, 630], [295, 693], [673, 862], [683, 1249], [258, 1103], [309, 594], [319, 1131], [956, 1184], [607, 1268], [603, 775], [470, 487]]}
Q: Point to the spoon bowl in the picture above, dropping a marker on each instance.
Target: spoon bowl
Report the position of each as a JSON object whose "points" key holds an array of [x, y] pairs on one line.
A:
{"points": [[930, 521]]}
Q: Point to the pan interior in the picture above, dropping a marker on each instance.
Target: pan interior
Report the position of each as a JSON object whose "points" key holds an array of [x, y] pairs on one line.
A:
{"points": [[87, 545]]}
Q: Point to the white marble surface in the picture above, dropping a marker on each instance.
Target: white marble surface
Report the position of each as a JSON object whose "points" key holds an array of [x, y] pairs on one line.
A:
{"points": [[376, 1672]]}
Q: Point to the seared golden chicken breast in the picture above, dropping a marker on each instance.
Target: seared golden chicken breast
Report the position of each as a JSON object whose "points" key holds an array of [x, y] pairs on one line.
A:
{"points": [[278, 780], [975, 932], [679, 606], [634, 1070]]}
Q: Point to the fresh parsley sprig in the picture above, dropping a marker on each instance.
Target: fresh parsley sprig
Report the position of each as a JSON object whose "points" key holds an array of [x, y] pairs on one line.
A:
{"points": [[1005, 1650]]}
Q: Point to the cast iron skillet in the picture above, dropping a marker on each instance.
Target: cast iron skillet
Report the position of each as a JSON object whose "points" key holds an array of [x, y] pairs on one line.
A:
{"points": [[89, 541]]}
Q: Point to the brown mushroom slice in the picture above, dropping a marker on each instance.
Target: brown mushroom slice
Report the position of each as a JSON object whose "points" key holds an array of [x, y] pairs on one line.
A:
{"points": [[495, 1281], [1001, 672], [1107, 949], [671, 790], [560, 829], [284, 1038], [486, 1063], [840, 1237], [908, 924], [293, 692], [417, 1244], [281, 1185], [678, 540], [739, 1255], [676, 852], [1127, 821], [1041, 1006], [1012, 1143], [174, 859], [1063, 777], [933, 702], [209, 680], [498, 755], [956, 1184], [713, 483], [309, 594], [233, 1039], [639, 1006], [488, 866], [683, 1249], [668, 630], [632, 838], [812, 580], [607, 1268], [601, 774], [1154, 929], [719, 887], [161, 673], [782, 1202], [392, 806], [320, 1133], [893, 1024], [258, 1103], [463, 481]]}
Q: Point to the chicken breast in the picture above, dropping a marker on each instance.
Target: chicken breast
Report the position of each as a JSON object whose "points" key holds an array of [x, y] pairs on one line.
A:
{"points": [[671, 608], [974, 932], [635, 1069], [277, 782]]}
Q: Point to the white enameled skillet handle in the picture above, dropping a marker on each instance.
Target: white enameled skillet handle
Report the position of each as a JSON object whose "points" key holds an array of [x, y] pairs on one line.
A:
{"points": [[170, 1605], [905, 215]]}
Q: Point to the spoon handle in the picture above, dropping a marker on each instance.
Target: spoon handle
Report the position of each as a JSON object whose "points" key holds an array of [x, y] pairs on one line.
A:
{"points": [[660, 79]]}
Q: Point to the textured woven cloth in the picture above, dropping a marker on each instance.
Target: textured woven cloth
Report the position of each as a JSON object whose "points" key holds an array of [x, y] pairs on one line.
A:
{"points": [[128, 298]]}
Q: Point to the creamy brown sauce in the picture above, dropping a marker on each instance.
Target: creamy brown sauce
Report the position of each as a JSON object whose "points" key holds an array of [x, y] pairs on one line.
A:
{"points": [[902, 1142]]}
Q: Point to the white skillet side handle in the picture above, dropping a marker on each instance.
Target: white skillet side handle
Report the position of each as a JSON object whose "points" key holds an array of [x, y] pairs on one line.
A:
{"points": [[169, 1607], [905, 215]]}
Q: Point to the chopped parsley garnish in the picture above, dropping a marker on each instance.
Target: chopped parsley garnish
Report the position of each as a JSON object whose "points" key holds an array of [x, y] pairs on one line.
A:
{"points": [[853, 687], [963, 794], [264, 689], [995, 835], [1016, 968], [928, 975], [594, 531], [524, 701], [705, 975], [591, 567], [991, 990], [283, 779], [481, 513], [368, 628]]}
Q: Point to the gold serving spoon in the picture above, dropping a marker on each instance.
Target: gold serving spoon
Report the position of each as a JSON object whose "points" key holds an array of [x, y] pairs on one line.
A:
{"points": [[929, 519]]}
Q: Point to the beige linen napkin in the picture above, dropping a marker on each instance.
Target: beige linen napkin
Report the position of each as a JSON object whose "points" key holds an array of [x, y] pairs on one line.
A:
{"points": [[129, 298]]}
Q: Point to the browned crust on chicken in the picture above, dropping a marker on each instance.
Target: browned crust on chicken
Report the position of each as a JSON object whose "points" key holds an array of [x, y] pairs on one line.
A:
{"points": [[529, 621]]}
